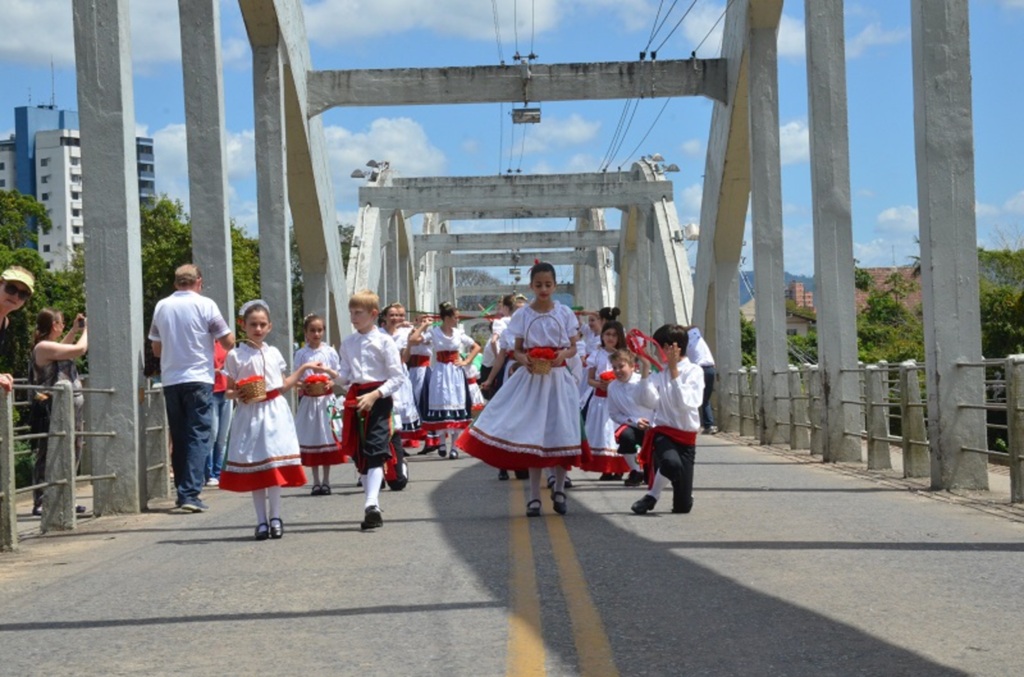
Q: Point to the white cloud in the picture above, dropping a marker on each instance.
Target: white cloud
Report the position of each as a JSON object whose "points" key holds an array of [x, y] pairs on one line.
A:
{"points": [[874, 35], [794, 143], [330, 22], [886, 252], [559, 133], [692, 148], [689, 201], [985, 210], [792, 41], [400, 141], [1012, 4], [1015, 205], [902, 219]]}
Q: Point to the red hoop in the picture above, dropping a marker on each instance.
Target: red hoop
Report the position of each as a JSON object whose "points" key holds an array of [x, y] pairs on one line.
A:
{"points": [[646, 348]]}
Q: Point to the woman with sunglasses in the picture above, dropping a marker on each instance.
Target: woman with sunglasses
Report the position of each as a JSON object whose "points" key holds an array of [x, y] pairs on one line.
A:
{"points": [[16, 288]]}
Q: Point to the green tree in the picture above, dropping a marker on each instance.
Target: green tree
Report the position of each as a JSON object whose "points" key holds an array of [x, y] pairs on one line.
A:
{"points": [[17, 211], [748, 342]]}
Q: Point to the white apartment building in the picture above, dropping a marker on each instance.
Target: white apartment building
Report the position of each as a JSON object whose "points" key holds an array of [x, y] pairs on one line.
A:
{"points": [[58, 160], [8, 162]]}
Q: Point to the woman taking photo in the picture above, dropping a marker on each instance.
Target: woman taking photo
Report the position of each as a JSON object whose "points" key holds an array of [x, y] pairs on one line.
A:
{"points": [[54, 352]]}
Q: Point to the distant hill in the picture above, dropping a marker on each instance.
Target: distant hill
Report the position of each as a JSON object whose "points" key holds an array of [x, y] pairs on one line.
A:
{"points": [[745, 294]]}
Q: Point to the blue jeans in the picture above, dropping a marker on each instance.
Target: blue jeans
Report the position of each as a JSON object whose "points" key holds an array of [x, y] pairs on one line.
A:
{"points": [[219, 434], [190, 419], [707, 417]]}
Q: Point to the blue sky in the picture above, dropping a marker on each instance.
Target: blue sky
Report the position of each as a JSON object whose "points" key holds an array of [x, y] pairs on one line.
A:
{"points": [[573, 136]]}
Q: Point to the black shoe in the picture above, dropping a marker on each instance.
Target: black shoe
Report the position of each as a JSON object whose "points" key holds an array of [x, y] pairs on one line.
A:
{"points": [[682, 505], [372, 519], [325, 489], [560, 506], [605, 476], [568, 482], [503, 475], [317, 490], [635, 479], [453, 454], [442, 451], [533, 508], [276, 527], [262, 531], [551, 481], [37, 511], [644, 505]]}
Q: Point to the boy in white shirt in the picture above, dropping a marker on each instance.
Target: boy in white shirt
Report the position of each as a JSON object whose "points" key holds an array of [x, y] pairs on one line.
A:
{"points": [[675, 394], [631, 419]]}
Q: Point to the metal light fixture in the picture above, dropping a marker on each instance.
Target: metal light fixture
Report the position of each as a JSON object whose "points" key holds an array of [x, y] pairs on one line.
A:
{"points": [[525, 116], [358, 174]]}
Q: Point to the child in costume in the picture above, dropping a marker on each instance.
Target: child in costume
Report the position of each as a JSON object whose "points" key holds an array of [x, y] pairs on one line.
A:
{"points": [[604, 457], [533, 422], [631, 419], [263, 449], [446, 398], [317, 443], [675, 394], [372, 367]]}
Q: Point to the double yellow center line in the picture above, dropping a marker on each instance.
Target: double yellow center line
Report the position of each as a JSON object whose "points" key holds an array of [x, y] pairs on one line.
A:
{"points": [[526, 654]]}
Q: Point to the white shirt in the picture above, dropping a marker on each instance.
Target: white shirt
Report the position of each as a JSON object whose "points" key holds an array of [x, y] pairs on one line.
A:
{"points": [[186, 325], [624, 407], [557, 328], [675, 401], [371, 357], [245, 361], [697, 350]]}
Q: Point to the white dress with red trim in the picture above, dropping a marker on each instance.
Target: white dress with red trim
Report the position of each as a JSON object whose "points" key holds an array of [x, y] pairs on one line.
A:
{"points": [[476, 396], [419, 368], [404, 399], [533, 421], [604, 454], [317, 442], [445, 399], [263, 448]]}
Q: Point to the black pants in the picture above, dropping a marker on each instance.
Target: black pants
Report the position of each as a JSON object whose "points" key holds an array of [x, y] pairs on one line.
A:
{"points": [[629, 439], [375, 440], [675, 461]]}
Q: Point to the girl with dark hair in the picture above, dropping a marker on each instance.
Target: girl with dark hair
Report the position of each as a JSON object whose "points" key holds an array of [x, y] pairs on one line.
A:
{"points": [[445, 398], [533, 422], [604, 456], [317, 444], [53, 359]]}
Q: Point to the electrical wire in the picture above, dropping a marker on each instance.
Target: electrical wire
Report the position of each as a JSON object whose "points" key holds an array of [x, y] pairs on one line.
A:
{"points": [[622, 139], [501, 134], [654, 26], [607, 157], [533, 26], [657, 30], [676, 27], [497, 32], [713, 26], [515, 25], [648, 133]]}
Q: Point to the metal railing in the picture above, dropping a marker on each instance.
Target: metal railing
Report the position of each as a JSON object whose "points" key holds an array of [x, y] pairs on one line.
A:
{"points": [[893, 411], [62, 478]]}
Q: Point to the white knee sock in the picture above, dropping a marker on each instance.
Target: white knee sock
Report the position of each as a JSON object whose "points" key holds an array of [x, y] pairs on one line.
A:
{"points": [[327, 474], [274, 494], [631, 462], [660, 482], [316, 474], [535, 484], [371, 485], [259, 501], [560, 473]]}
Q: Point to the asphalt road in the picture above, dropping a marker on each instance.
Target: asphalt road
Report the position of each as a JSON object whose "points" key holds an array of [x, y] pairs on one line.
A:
{"points": [[783, 568]]}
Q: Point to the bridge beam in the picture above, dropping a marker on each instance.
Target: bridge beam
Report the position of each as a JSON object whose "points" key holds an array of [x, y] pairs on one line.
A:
{"points": [[497, 290], [500, 241], [511, 84], [949, 260], [506, 260], [496, 194]]}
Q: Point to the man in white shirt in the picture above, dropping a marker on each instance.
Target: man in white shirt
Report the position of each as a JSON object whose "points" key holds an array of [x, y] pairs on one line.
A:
{"points": [[698, 352], [185, 326]]}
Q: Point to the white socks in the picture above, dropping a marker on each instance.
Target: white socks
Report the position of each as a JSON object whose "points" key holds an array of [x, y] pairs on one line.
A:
{"points": [[371, 485], [660, 482]]}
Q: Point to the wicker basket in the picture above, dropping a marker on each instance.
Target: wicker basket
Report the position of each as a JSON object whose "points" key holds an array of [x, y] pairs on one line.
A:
{"points": [[316, 388], [254, 388], [539, 366]]}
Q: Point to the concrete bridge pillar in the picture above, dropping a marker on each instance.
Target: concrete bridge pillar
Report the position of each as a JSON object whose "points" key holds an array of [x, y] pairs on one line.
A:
{"points": [[202, 70], [949, 260], [272, 196], [766, 211], [593, 280], [833, 230], [635, 269], [113, 251]]}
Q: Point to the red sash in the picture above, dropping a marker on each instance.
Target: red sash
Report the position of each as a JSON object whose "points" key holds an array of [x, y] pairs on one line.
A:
{"points": [[598, 392], [418, 361], [272, 394], [350, 421], [447, 356], [471, 381], [685, 437]]}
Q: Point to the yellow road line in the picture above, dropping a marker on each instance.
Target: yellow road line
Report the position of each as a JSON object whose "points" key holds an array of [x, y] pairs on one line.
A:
{"points": [[592, 645], [525, 644]]}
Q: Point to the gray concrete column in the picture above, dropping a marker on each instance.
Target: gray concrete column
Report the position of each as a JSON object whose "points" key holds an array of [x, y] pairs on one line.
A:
{"points": [[202, 72], [723, 324], [833, 227], [113, 253], [594, 284], [390, 285], [272, 194], [634, 268], [766, 212], [949, 257]]}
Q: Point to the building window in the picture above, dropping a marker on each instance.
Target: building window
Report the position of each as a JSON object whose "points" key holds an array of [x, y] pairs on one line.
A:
{"points": [[3, 182], [44, 162], [44, 197], [76, 195], [76, 212], [77, 230], [3, 165], [75, 161], [46, 248]]}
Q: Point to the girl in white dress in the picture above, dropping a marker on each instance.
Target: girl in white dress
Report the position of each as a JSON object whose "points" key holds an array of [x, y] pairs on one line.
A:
{"points": [[263, 449], [399, 329], [533, 422], [604, 456], [446, 401], [317, 442]]}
